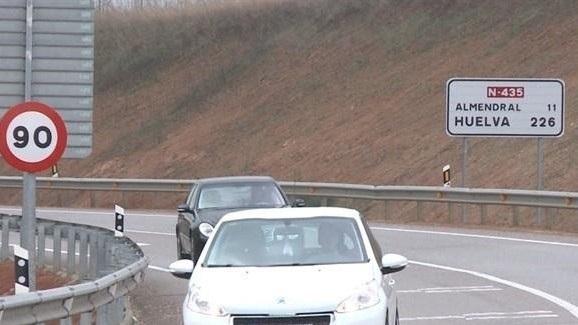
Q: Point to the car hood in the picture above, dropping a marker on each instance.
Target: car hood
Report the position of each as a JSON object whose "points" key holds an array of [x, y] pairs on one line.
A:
{"points": [[213, 216], [281, 290]]}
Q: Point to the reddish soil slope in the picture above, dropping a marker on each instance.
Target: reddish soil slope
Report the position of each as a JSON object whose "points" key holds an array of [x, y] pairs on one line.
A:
{"points": [[329, 90]]}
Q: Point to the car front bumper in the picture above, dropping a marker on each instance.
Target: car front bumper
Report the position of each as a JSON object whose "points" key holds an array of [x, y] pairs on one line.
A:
{"points": [[369, 316]]}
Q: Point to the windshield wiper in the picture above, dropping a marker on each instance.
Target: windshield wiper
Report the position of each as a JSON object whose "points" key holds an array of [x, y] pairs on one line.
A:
{"points": [[220, 265], [217, 208], [292, 264]]}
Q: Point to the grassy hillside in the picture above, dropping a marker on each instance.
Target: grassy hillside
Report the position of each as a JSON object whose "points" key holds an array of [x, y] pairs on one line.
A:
{"points": [[325, 90]]}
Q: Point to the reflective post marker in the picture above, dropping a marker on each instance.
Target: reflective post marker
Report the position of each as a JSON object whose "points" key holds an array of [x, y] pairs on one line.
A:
{"points": [[446, 175], [118, 221], [21, 272]]}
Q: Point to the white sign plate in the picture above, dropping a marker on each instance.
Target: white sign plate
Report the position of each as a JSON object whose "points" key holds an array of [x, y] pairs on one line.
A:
{"points": [[505, 107]]}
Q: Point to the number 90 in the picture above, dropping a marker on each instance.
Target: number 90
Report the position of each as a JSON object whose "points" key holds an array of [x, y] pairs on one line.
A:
{"points": [[22, 137]]}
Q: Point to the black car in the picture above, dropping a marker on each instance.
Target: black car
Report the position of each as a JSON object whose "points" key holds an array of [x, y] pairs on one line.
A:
{"points": [[212, 198]]}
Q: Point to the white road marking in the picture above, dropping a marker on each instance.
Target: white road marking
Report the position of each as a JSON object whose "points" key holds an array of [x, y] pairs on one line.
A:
{"points": [[452, 289], [488, 316], [572, 309], [142, 244], [151, 232], [543, 242], [158, 268]]}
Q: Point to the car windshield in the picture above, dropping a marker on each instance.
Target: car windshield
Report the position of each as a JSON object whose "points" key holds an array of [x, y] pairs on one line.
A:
{"points": [[243, 195], [283, 242]]}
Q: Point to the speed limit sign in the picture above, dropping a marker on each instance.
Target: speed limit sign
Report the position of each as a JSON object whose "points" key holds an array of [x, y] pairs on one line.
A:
{"points": [[32, 137]]}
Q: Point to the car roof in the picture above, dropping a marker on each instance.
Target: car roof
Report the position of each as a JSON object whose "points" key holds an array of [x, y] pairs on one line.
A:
{"points": [[234, 179], [294, 213]]}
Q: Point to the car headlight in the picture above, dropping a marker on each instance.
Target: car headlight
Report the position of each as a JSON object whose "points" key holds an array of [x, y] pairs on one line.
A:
{"points": [[364, 297], [199, 304], [206, 229]]}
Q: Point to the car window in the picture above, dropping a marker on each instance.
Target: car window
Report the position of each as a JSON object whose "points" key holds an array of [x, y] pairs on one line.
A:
{"points": [[308, 241], [242, 195]]}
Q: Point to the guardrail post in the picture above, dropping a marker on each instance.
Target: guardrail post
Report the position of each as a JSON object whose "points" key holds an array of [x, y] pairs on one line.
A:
{"points": [[5, 249], [66, 321], [115, 309], [323, 202], [92, 268], [450, 208], [385, 210], [108, 253], [515, 216], [86, 319], [483, 214], [102, 315], [57, 248], [101, 251], [418, 209], [71, 250], [549, 221], [92, 199], [41, 244], [83, 254], [59, 199]]}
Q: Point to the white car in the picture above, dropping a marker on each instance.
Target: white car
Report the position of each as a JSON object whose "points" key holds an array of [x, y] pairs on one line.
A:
{"points": [[291, 266]]}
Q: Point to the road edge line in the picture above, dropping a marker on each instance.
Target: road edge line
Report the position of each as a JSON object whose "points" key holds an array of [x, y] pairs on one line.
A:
{"points": [[572, 309]]}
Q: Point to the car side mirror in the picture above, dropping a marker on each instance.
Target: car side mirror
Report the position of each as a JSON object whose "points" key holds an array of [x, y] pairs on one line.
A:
{"points": [[182, 208], [391, 263], [182, 268], [298, 203]]}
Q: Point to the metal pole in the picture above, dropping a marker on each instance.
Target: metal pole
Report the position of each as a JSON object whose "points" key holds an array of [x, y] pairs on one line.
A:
{"points": [[464, 161], [540, 182], [464, 174], [540, 164], [28, 231]]}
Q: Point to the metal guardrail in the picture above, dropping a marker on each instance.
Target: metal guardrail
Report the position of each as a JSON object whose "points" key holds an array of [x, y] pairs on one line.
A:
{"points": [[106, 268], [544, 199]]}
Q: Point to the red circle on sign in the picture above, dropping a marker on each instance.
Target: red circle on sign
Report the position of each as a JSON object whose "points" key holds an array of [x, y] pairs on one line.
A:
{"points": [[61, 135]]}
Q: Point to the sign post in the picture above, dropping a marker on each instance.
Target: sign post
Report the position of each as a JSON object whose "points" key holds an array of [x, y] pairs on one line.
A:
{"points": [[524, 108], [28, 232], [540, 173]]}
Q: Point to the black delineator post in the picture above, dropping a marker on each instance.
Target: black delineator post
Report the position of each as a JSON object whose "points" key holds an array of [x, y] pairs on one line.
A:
{"points": [[21, 274], [118, 221]]}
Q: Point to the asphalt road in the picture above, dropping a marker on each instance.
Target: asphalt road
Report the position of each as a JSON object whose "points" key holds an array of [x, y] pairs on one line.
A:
{"points": [[456, 276]]}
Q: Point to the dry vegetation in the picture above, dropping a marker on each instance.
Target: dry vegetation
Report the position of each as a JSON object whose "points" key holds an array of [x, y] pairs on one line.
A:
{"points": [[326, 90]]}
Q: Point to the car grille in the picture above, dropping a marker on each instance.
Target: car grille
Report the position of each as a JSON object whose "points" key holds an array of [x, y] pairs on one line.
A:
{"points": [[296, 320]]}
